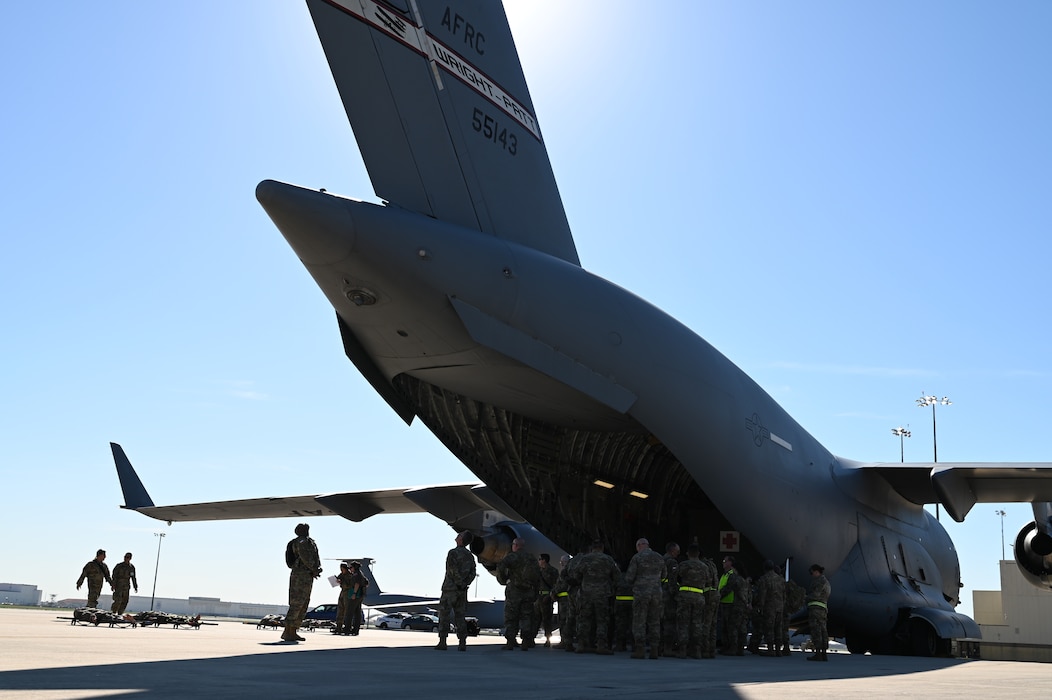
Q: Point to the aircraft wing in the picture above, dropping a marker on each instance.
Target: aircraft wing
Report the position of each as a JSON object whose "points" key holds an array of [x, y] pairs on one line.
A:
{"points": [[958, 486], [453, 503], [442, 115]]}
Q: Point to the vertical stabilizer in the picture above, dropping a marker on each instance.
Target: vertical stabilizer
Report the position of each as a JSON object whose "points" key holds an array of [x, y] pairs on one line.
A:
{"points": [[135, 495], [439, 106]]}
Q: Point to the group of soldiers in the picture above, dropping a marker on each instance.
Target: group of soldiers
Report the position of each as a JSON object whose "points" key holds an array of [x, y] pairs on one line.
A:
{"points": [[96, 572], [659, 606]]}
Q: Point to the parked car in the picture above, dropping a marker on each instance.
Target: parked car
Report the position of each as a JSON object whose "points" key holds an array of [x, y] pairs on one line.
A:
{"points": [[391, 621], [421, 622], [322, 612]]}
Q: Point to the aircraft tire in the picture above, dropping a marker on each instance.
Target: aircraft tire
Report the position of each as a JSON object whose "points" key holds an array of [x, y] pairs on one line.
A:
{"points": [[923, 640], [860, 644]]}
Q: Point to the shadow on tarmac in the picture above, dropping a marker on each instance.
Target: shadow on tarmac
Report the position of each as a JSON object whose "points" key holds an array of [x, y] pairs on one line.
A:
{"points": [[418, 671]]}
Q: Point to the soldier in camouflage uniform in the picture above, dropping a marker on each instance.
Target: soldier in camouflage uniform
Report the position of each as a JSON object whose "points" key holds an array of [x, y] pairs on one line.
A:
{"points": [[565, 592], [622, 615], [597, 574], [694, 577], [770, 601], [794, 600], [817, 612], [123, 580], [644, 573], [343, 620], [732, 608], [543, 612], [460, 572], [95, 571], [301, 555], [747, 621], [669, 590], [712, 605], [519, 574]]}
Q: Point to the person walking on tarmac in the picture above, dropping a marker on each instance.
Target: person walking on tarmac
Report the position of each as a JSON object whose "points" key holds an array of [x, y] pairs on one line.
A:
{"points": [[818, 612], [123, 580], [95, 571]]}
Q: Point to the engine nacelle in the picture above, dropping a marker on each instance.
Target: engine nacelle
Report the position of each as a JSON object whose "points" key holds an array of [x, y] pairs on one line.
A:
{"points": [[493, 546], [1033, 555]]}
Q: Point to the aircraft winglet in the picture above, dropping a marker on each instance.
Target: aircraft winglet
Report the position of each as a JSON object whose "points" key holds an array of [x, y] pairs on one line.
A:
{"points": [[135, 495]]}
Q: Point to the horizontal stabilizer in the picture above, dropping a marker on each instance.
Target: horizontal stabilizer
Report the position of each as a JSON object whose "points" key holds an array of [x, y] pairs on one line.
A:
{"points": [[958, 486]]}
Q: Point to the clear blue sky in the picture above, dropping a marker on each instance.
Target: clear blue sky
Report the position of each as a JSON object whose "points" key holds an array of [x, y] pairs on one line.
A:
{"points": [[852, 202]]}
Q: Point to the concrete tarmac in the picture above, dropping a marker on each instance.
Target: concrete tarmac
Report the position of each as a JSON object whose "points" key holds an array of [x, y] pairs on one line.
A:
{"points": [[42, 656]]}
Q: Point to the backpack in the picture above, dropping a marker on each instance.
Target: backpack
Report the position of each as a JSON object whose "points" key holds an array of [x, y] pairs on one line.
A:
{"points": [[290, 554]]}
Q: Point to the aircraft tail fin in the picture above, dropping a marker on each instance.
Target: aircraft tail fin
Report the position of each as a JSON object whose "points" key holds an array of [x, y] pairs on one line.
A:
{"points": [[439, 106], [135, 495]]}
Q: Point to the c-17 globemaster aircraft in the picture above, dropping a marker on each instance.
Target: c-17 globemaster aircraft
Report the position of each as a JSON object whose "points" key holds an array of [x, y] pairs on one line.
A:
{"points": [[586, 410]]}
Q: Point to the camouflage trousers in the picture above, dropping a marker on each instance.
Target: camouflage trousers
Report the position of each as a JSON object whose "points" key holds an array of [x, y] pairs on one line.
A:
{"points": [[646, 620], [769, 624], [94, 591], [354, 613], [300, 584], [518, 612], [593, 620], [343, 620], [731, 618], [543, 613], [690, 620], [712, 604], [669, 626], [452, 604], [816, 620], [120, 599], [622, 623], [567, 618]]}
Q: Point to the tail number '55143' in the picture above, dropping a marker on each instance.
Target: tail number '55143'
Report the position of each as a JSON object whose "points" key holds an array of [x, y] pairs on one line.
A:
{"points": [[491, 129]]}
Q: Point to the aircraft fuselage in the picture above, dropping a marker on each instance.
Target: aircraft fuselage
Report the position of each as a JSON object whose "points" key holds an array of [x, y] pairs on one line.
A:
{"points": [[483, 337]]}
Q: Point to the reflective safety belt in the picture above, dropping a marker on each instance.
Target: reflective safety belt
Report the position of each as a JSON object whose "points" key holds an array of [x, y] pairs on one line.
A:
{"points": [[691, 589], [562, 594], [817, 604], [623, 597]]}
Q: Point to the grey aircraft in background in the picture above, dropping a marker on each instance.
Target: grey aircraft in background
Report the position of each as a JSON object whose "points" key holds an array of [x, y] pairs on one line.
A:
{"points": [[584, 410]]}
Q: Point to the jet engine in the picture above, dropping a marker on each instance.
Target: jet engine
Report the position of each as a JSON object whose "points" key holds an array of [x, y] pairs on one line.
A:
{"points": [[493, 546], [1033, 548]]}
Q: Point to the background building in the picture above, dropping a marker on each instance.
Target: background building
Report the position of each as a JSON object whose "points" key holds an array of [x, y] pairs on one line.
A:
{"points": [[1016, 621], [19, 594]]}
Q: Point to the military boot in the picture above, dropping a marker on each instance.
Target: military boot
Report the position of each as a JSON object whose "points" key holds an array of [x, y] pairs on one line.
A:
{"points": [[817, 656], [603, 650], [510, 644], [289, 635], [462, 644], [441, 646], [637, 652]]}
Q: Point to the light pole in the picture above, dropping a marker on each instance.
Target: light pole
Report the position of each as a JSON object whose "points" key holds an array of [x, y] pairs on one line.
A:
{"points": [[902, 433], [1002, 514], [924, 401], [160, 538]]}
